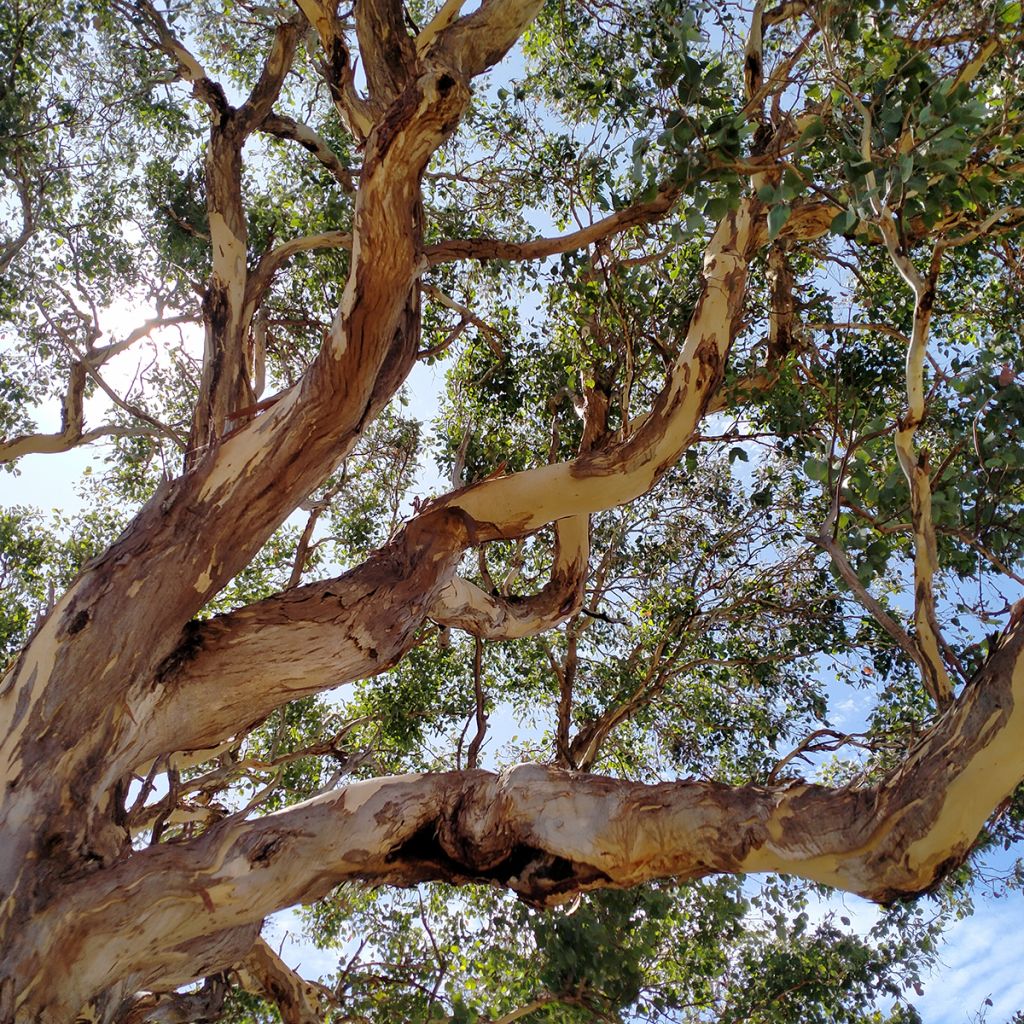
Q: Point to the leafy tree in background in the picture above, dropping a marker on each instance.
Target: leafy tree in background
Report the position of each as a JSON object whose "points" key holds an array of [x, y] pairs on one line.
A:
{"points": [[727, 304]]}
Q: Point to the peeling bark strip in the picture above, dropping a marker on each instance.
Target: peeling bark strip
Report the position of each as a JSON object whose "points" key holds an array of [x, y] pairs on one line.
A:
{"points": [[542, 832]]}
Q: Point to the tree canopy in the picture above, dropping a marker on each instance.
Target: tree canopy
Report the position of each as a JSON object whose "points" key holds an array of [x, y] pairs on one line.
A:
{"points": [[557, 514]]}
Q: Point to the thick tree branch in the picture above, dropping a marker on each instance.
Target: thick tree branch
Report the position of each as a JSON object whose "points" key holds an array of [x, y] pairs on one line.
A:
{"points": [[387, 49], [547, 834], [465, 606], [446, 14], [226, 385], [205, 1004], [337, 68], [233, 670], [479, 40], [260, 103], [98, 631]]}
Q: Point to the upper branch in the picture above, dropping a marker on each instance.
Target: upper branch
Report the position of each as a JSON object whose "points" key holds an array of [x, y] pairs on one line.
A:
{"points": [[145, 17], [479, 40], [616, 473], [539, 248], [10, 248], [389, 54], [264, 94], [259, 280], [288, 128]]}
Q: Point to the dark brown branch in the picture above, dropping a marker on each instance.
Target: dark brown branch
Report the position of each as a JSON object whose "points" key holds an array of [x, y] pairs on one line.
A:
{"points": [[539, 248], [264, 94], [388, 51], [284, 127]]}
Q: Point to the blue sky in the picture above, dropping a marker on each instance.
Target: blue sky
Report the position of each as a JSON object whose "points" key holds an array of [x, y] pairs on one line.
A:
{"points": [[982, 959]]}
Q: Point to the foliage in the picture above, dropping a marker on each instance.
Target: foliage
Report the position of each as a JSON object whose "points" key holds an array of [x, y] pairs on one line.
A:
{"points": [[719, 636]]}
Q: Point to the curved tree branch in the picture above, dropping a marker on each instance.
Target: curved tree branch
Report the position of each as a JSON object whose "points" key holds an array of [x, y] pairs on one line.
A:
{"points": [[613, 474], [10, 248], [548, 834], [271, 262], [464, 605], [298, 1001], [284, 127]]}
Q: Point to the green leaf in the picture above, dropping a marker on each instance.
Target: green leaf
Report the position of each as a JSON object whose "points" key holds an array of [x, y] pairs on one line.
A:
{"points": [[777, 217], [843, 223], [816, 469]]}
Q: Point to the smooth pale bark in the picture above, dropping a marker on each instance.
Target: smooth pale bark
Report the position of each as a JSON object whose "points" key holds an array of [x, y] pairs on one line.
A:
{"points": [[260, 657]]}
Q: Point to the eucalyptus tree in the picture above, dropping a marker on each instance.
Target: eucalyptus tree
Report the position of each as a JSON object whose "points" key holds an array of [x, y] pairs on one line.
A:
{"points": [[727, 300]]}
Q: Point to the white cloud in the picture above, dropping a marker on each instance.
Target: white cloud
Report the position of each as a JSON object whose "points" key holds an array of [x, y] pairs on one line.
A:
{"points": [[981, 959]]}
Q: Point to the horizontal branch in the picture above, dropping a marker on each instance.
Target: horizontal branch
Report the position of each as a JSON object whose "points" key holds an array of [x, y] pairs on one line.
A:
{"points": [[540, 248], [547, 834], [72, 433], [65, 440]]}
